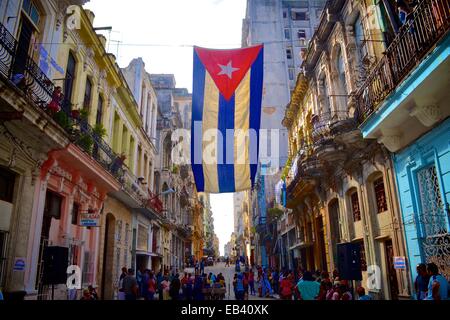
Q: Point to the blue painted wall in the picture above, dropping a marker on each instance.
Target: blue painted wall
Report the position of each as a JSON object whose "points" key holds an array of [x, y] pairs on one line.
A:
{"points": [[432, 148]]}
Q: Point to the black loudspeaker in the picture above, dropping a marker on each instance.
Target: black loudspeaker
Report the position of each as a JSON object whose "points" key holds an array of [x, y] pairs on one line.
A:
{"points": [[56, 261], [349, 261]]}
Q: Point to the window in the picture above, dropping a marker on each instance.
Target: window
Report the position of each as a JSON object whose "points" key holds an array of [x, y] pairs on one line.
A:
{"points": [[291, 73], [87, 94], [142, 243], [360, 38], [289, 53], [433, 215], [300, 15], [32, 11], [99, 110], [69, 80], [75, 213], [284, 14], [380, 195], [53, 203], [88, 268], [355, 206], [7, 180], [287, 34], [301, 34]]}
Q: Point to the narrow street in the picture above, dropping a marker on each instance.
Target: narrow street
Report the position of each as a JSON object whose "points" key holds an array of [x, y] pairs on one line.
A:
{"points": [[228, 273]]}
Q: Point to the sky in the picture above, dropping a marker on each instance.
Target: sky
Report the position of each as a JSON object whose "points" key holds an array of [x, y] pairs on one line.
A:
{"points": [[162, 32]]}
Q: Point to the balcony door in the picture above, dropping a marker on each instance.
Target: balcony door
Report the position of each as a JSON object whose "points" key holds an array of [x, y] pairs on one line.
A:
{"points": [[23, 46]]}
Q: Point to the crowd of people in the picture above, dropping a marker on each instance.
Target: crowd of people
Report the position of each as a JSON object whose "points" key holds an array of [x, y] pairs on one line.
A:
{"points": [[256, 281], [165, 286], [317, 285]]}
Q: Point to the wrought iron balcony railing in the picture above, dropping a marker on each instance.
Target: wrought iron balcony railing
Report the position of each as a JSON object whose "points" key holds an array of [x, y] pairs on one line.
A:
{"points": [[26, 75], [324, 124], [42, 92], [425, 26], [8, 47]]}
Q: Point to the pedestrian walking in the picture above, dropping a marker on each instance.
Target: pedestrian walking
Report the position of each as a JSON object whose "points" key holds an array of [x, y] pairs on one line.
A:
{"points": [[175, 287], [151, 286], [438, 285], [286, 287], [159, 280], [121, 292], [307, 287], [239, 291], [251, 282], [421, 282], [198, 288], [165, 284], [130, 286]]}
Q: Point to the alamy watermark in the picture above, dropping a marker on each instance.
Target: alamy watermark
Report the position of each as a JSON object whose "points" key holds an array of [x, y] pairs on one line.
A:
{"points": [[230, 146]]}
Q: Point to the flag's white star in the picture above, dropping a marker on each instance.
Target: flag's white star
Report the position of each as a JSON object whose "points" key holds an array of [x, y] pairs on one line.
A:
{"points": [[227, 70]]}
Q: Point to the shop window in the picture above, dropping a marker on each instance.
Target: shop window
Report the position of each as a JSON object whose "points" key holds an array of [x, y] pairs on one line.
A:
{"points": [[75, 213], [380, 195], [355, 206]]}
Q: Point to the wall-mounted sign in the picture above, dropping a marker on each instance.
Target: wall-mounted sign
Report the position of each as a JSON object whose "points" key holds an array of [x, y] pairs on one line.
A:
{"points": [[399, 263], [19, 264], [91, 218]]}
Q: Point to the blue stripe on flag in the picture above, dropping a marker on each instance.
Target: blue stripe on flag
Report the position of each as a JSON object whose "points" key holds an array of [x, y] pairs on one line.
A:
{"points": [[197, 116], [256, 85], [225, 167]]}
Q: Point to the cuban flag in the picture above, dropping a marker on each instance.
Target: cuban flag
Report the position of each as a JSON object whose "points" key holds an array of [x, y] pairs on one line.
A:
{"points": [[226, 115]]}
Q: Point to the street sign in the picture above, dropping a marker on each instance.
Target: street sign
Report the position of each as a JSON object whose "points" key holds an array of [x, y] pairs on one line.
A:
{"points": [[19, 264], [91, 218], [399, 263]]}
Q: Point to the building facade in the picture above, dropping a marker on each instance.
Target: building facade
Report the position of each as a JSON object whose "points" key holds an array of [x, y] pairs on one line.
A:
{"points": [[292, 25], [341, 188], [408, 89]]}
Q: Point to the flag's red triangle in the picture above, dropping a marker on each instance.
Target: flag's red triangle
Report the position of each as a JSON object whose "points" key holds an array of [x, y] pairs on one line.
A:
{"points": [[228, 67]]}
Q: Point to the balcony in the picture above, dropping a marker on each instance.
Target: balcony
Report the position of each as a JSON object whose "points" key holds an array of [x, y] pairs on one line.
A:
{"points": [[39, 89], [408, 88], [326, 127], [133, 186]]}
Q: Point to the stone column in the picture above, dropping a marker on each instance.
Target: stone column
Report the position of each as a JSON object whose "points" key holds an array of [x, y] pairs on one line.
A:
{"points": [[34, 241]]}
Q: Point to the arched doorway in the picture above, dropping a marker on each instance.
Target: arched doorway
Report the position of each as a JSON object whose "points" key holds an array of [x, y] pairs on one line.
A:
{"points": [[107, 288]]}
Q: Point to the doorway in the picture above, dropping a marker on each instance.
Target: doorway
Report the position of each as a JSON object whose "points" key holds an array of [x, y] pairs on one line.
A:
{"points": [[391, 272], [23, 46], [108, 258]]}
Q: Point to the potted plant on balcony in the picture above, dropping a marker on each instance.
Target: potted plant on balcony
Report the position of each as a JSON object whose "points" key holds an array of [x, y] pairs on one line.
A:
{"points": [[175, 169], [99, 130], [274, 213], [86, 142]]}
